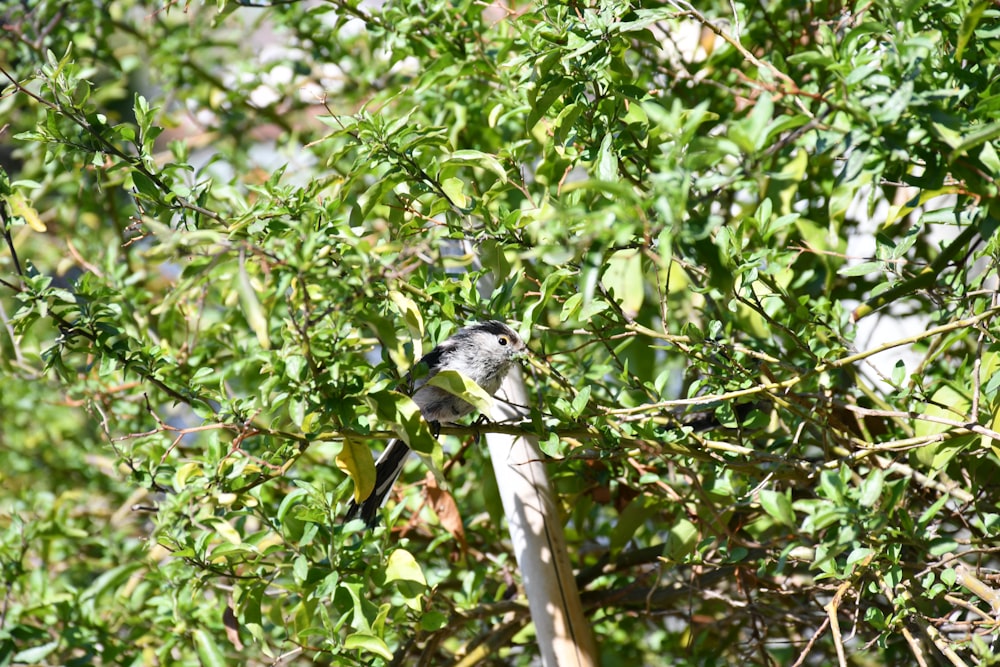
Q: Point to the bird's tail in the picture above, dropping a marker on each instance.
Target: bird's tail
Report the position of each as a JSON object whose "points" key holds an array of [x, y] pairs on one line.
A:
{"points": [[387, 468]]}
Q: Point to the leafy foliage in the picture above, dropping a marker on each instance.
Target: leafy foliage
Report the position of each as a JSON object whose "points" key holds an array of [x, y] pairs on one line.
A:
{"points": [[229, 230]]}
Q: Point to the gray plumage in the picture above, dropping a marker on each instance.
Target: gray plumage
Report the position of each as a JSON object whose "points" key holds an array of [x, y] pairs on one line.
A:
{"points": [[483, 352]]}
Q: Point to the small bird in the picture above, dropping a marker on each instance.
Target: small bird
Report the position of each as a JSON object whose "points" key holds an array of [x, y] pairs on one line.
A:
{"points": [[483, 352]]}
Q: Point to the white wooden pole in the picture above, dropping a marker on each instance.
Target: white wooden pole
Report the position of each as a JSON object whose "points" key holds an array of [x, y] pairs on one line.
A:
{"points": [[565, 636]]}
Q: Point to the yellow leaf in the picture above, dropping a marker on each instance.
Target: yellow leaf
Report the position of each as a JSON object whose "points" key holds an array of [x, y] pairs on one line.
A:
{"points": [[404, 569], [20, 207], [229, 533], [184, 473], [269, 540], [356, 460], [402, 566]]}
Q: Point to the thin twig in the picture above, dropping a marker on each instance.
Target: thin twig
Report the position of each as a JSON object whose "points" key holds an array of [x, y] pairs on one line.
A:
{"points": [[775, 387]]}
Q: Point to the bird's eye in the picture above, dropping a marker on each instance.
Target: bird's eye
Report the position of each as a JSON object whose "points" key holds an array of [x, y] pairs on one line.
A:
{"points": [[503, 340]]}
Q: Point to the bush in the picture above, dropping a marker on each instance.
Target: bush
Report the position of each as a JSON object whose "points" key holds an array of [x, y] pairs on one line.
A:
{"points": [[230, 229]]}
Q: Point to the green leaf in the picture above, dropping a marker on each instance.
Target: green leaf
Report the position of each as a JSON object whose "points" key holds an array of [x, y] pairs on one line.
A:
{"points": [[969, 23], [862, 269], [457, 384], [375, 194], [778, 506], [208, 651], [144, 185], [404, 416], [252, 309], [571, 306], [552, 446], [35, 654], [367, 642], [624, 280], [541, 106], [832, 485], [642, 508], [943, 545], [300, 569], [606, 164], [928, 514], [454, 189], [580, 401], [478, 159], [871, 488], [759, 119], [983, 134], [950, 401], [876, 617], [108, 582], [858, 555], [899, 373], [410, 312], [433, 621], [681, 540]]}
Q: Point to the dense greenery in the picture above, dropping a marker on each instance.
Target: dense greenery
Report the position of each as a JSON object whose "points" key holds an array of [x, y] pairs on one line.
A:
{"points": [[228, 229]]}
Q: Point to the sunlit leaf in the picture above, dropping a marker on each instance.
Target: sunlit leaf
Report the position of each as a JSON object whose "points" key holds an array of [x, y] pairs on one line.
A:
{"points": [[459, 385], [355, 458]]}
